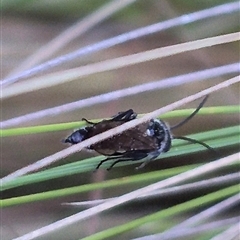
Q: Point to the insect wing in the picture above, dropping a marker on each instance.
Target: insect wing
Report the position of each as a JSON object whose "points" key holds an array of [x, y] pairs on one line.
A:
{"points": [[130, 140]]}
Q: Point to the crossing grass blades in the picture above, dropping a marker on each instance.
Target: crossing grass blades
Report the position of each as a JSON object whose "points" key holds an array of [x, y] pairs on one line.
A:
{"points": [[145, 141]]}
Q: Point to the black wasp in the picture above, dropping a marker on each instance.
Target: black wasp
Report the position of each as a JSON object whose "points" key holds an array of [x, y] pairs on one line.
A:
{"points": [[145, 141]]}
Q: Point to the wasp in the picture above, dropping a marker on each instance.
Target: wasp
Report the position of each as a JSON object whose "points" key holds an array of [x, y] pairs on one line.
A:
{"points": [[145, 141]]}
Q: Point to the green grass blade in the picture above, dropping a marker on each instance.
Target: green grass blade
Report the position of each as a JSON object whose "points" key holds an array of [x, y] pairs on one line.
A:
{"points": [[163, 214]]}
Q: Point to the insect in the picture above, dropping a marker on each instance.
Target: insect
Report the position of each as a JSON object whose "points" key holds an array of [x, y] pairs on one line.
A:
{"points": [[145, 141]]}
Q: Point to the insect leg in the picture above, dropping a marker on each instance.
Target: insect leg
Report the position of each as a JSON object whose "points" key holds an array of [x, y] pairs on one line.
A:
{"points": [[129, 156], [103, 161], [138, 155], [117, 161], [84, 119], [150, 157]]}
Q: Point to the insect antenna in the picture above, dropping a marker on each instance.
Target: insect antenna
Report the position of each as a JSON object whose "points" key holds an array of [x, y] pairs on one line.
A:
{"points": [[186, 120], [191, 115], [195, 141]]}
